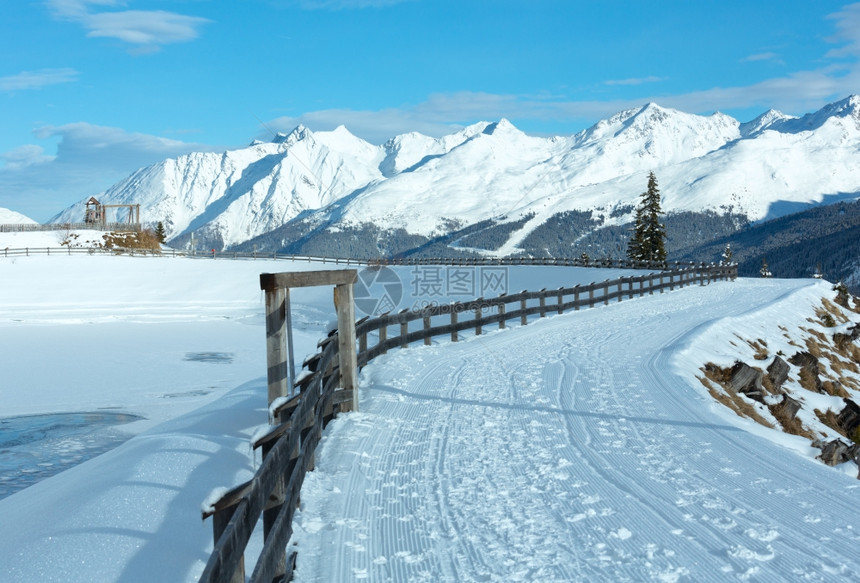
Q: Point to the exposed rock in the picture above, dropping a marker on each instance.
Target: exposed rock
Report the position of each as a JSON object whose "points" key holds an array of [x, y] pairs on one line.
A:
{"points": [[804, 360], [777, 372], [808, 364], [747, 380], [849, 417], [788, 406], [842, 340], [835, 452]]}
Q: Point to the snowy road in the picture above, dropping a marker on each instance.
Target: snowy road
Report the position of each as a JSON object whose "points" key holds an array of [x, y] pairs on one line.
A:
{"points": [[578, 448]]}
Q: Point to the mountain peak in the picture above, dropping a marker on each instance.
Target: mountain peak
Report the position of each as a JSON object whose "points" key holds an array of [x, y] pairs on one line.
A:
{"points": [[771, 119], [503, 125], [298, 134], [838, 110]]}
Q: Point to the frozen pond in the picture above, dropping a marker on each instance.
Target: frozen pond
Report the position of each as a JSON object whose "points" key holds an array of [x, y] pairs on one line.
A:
{"points": [[35, 447]]}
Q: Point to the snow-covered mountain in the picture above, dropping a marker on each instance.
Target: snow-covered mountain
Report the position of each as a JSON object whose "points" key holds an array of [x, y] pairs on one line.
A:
{"points": [[10, 217], [427, 187]]}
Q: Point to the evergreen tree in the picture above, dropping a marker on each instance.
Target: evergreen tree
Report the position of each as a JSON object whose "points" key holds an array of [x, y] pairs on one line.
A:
{"points": [[159, 232], [648, 240], [727, 254]]}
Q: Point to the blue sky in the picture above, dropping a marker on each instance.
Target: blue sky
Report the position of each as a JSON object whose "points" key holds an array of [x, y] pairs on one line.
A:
{"points": [[91, 90]]}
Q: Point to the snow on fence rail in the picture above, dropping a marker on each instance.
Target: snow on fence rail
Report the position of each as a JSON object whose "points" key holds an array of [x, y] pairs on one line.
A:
{"points": [[288, 448]]}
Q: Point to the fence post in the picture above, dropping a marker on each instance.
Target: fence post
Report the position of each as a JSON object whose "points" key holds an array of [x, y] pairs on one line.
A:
{"points": [[276, 331], [561, 300], [427, 340], [220, 520], [345, 304], [478, 308], [543, 303], [454, 322], [404, 330], [276, 500], [524, 319], [383, 336], [502, 314], [606, 293], [576, 298]]}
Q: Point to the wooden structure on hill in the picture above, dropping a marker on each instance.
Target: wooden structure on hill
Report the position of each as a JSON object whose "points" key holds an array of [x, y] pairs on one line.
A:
{"points": [[96, 214]]}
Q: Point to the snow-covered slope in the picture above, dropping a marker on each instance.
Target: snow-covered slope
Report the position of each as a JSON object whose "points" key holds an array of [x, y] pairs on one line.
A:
{"points": [[10, 217], [493, 170]]}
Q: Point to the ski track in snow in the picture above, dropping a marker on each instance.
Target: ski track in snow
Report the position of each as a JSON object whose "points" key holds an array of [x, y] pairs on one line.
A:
{"points": [[549, 454]]}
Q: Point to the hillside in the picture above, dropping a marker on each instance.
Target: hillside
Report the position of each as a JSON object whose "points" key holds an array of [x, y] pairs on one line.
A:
{"points": [[332, 193], [10, 217], [820, 241]]}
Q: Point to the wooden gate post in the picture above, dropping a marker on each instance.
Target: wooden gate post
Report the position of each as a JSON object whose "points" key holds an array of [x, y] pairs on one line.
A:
{"points": [[345, 305], [279, 353], [276, 333]]}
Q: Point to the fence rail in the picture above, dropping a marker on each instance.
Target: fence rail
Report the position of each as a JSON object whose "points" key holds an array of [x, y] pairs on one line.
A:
{"points": [[609, 263], [288, 447], [38, 227]]}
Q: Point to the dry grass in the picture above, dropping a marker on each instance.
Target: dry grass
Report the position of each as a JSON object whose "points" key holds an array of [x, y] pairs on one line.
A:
{"points": [[835, 311], [846, 348], [813, 345], [729, 398], [807, 380], [721, 376], [850, 382], [760, 347], [146, 239], [829, 418], [790, 425], [839, 366], [835, 388]]}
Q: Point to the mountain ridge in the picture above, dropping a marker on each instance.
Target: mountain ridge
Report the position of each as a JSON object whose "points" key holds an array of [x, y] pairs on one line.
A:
{"points": [[333, 181]]}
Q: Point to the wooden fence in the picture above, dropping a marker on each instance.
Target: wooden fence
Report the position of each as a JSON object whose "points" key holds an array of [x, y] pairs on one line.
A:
{"points": [[38, 227], [608, 262], [288, 448]]}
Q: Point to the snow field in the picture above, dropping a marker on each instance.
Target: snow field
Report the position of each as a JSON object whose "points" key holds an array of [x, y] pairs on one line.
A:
{"points": [[578, 448]]}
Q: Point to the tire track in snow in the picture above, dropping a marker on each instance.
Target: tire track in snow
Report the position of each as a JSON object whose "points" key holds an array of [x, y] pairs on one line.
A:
{"points": [[548, 454]]}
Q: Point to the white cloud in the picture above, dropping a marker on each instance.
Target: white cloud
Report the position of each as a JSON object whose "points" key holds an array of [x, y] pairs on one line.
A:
{"points": [[761, 57], [150, 28], [88, 159], [636, 81], [147, 30], [847, 23], [37, 79], [24, 156]]}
